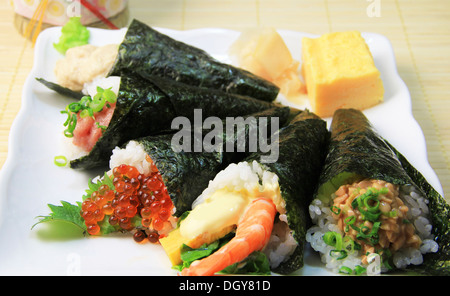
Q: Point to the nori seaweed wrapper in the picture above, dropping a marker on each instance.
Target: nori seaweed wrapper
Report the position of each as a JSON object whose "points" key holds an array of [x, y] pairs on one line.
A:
{"points": [[67, 92], [357, 151], [302, 149], [148, 106], [147, 51], [187, 173]]}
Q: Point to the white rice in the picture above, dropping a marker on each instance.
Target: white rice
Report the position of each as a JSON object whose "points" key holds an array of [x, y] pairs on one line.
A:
{"points": [[113, 82], [248, 176], [418, 211], [133, 154]]}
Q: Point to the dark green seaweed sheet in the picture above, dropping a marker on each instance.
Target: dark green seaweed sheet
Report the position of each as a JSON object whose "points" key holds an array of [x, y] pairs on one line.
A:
{"points": [[302, 150], [67, 92], [357, 151], [187, 173], [148, 106], [147, 51]]}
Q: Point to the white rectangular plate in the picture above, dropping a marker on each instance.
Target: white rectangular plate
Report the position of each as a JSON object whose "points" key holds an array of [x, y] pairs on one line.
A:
{"points": [[29, 180]]}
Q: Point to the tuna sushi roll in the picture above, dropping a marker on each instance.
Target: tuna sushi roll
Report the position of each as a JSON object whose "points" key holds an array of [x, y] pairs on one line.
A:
{"points": [[141, 107], [252, 217], [149, 52], [373, 211]]}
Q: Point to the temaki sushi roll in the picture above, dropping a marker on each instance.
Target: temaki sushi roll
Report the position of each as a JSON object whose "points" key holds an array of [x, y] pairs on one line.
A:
{"points": [[149, 52], [141, 107], [151, 183], [252, 217], [373, 211]]}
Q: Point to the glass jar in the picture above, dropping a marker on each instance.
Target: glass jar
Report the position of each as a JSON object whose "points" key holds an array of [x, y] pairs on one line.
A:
{"points": [[58, 12]]}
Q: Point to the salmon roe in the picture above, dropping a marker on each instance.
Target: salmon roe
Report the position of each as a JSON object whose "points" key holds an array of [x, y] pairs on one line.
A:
{"points": [[134, 194]]}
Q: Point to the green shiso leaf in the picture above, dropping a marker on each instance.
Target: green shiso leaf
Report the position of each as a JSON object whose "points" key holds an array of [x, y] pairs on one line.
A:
{"points": [[256, 263], [189, 255], [67, 212]]}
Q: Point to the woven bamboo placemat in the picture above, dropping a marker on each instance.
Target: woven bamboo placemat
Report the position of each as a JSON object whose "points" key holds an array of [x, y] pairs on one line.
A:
{"points": [[418, 30]]}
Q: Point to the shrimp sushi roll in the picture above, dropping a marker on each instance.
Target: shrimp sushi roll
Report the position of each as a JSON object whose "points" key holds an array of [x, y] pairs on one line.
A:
{"points": [[252, 217], [141, 107], [373, 211], [149, 52]]}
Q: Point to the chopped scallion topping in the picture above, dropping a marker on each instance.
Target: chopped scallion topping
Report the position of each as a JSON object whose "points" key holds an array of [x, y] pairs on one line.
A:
{"points": [[333, 239], [335, 210], [60, 161], [87, 106]]}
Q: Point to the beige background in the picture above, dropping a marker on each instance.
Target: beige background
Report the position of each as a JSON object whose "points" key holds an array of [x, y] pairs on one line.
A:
{"points": [[419, 31]]}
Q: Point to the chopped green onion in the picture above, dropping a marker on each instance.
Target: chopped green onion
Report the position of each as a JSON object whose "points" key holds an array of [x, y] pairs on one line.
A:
{"points": [[333, 239], [335, 210], [87, 106], [60, 161], [98, 102], [349, 244], [109, 95], [372, 217], [359, 270], [74, 107], [85, 113], [338, 254], [350, 220], [345, 270], [370, 208], [102, 127]]}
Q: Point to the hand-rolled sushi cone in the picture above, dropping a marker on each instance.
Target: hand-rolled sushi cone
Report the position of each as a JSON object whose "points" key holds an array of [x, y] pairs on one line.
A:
{"points": [[373, 211], [147, 51], [146, 107], [150, 183], [252, 217]]}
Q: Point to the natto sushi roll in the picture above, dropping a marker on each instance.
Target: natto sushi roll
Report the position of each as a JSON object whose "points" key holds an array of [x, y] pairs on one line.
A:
{"points": [[252, 217], [373, 212]]}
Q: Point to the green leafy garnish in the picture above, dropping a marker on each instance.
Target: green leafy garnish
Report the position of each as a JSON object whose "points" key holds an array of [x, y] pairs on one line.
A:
{"points": [[73, 34], [71, 213], [67, 212], [92, 187], [189, 255], [256, 263]]}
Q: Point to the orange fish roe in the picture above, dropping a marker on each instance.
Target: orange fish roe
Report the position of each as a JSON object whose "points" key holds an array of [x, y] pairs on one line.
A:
{"points": [[133, 194]]}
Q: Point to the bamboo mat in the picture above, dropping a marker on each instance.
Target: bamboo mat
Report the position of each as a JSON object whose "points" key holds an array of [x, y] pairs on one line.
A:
{"points": [[419, 31]]}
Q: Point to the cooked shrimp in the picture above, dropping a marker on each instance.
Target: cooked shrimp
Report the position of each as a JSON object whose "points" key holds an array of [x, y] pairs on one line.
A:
{"points": [[252, 234]]}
